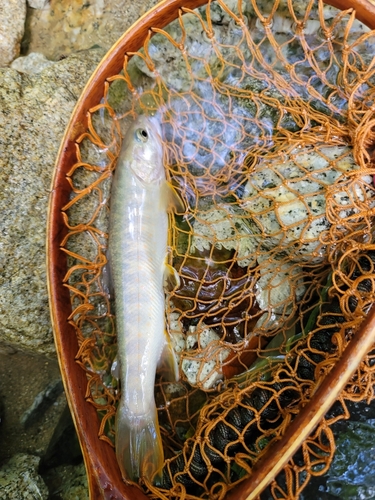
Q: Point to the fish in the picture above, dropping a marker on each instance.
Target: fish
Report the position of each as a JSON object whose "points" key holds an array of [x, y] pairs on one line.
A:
{"points": [[137, 252]]}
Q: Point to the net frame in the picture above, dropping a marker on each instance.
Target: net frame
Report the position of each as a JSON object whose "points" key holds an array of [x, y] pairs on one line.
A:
{"points": [[99, 264]]}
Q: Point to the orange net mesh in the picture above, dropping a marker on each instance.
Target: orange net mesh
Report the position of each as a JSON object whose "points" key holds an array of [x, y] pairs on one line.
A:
{"points": [[268, 130]]}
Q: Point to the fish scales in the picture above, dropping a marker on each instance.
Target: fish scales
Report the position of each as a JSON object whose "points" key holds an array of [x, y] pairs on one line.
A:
{"points": [[137, 252], [140, 303]]}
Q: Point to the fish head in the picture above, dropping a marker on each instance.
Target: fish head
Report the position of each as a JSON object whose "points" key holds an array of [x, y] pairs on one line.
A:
{"points": [[143, 150]]}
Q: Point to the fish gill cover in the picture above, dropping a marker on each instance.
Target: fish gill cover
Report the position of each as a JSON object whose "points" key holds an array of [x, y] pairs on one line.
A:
{"points": [[268, 136]]}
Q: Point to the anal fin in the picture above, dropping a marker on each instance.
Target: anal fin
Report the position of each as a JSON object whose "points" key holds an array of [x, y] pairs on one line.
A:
{"points": [[171, 278], [168, 361]]}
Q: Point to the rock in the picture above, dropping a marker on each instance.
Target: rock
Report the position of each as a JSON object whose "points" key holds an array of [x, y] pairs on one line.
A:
{"points": [[279, 285], [38, 4], [19, 479], [64, 448], [68, 482], [12, 27], [231, 231], [32, 63], [34, 111], [292, 210], [351, 474], [43, 400], [23, 379], [204, 343], [78, 25]]}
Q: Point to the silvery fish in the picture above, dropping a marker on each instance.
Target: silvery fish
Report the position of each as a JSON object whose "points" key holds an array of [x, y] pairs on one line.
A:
{"points": [[138, 234]]}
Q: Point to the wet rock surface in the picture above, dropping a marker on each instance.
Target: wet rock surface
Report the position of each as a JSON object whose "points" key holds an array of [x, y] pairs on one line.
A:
{"points": [[63, 448], [19, 478], [40, 456], [351, 475], [23, 378], [67, 482], [42, 402]]}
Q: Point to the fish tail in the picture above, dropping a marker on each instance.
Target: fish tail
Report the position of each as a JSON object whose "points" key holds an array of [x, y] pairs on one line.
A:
{"points": [[139, 449]]}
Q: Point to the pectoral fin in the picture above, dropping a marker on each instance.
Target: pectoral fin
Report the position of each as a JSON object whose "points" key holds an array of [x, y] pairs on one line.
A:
{"points": [[171, 199]]}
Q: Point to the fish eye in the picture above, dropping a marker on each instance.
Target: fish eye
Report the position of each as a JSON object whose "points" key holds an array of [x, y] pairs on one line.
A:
{"points": [[141, 135]]}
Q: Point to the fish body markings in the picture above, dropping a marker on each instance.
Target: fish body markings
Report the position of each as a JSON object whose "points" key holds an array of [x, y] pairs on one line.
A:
{"points": [[137, 251]]}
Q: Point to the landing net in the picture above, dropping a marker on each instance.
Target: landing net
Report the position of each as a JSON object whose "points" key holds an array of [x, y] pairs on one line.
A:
{"points": [[268, 131]]}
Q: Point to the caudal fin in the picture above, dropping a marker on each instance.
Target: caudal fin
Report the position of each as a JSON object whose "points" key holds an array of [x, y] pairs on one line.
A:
{"points": [[139, 449]]}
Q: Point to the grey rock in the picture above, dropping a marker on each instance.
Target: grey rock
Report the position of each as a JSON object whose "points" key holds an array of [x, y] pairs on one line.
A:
{"points": [[68, 482], [12, 27], [42, 402], [19, 479], [22, 377], [38, 4], [64, 447], [34, 111], [32, 63]]}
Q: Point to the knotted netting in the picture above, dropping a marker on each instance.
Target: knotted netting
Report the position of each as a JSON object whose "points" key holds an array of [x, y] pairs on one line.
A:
{"points": [[267, 114]]}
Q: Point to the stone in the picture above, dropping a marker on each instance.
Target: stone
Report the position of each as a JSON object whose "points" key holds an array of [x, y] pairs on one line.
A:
{"points": [[78, 25], [42, 401], [32, 406], [68, 482], [34, 111], [19, 479], [12, 27], [204, 343], [230, 231], [32, 63], [63, 448], [38, 4]]}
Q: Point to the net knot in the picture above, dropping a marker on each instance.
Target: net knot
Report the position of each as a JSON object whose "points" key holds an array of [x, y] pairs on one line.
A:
{"points": [[299, 27]]}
